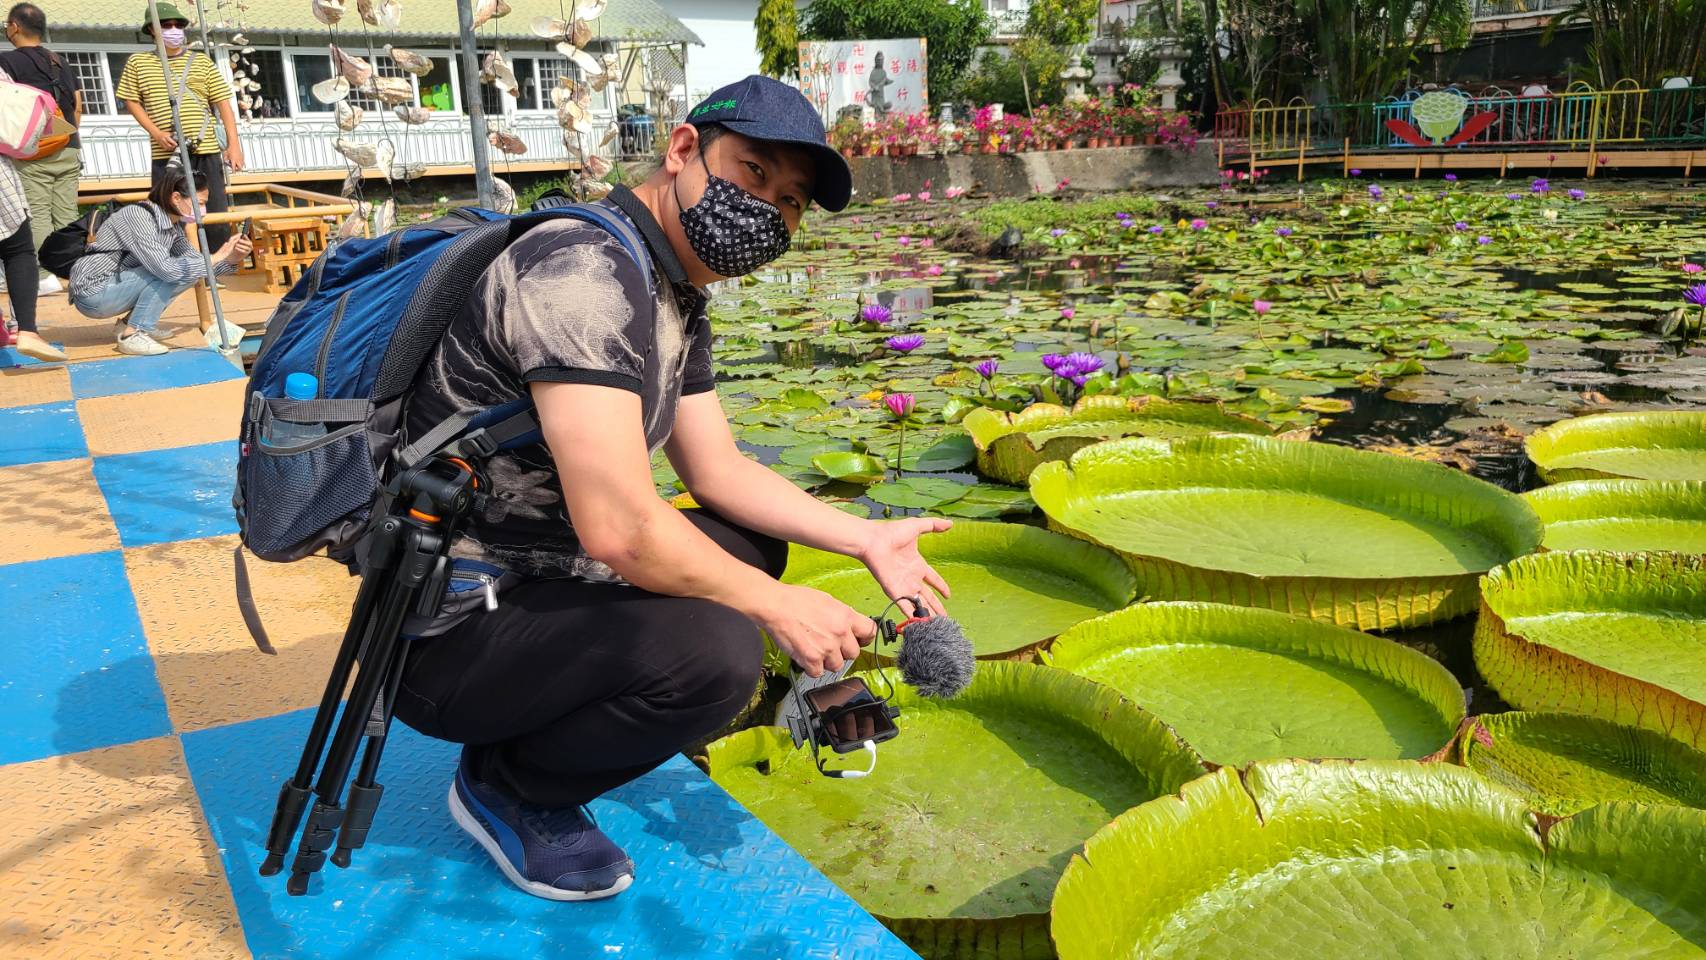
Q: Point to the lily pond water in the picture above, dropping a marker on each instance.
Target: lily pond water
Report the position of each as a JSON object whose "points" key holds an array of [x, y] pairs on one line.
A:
{"points": [[1236, 479]]}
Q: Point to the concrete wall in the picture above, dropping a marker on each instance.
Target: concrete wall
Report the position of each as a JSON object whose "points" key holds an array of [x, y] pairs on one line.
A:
{"points": [[1104, 169], [731, 42]]}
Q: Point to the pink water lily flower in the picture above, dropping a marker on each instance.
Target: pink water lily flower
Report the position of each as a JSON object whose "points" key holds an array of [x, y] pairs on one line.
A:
{"points": [[899, 404]]}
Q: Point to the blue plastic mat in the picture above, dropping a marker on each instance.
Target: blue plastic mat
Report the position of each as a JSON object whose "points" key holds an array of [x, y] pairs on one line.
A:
{"points": [[162, 495], [711, 881], [37, 434], [74, 669], [179, 368]]}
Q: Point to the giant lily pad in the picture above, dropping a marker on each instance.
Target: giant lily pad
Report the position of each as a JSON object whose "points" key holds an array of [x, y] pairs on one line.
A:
{"points": [[1014, 586], [1611, 635], [1626, 515], [1564, 763], [1347, 861], [1663, 445], [1243, 684], [1010, 445], [959, 835], [1361, 539]]}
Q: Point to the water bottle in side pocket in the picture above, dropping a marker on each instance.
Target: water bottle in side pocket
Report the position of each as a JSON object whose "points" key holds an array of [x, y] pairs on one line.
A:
{"points": [[284, 433]]}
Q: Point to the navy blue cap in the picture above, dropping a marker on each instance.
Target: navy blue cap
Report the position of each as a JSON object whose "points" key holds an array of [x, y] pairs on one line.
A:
{"points": [[766, 109]]}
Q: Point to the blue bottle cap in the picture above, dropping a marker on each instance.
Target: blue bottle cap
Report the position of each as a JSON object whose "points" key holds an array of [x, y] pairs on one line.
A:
{"points": [[301, 386]]}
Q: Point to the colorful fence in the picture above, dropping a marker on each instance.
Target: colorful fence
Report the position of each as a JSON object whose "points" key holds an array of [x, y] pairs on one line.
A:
{"points": [[1581, 116]]}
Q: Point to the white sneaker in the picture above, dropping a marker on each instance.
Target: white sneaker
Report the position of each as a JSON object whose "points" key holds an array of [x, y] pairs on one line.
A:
{"points": [[140, 344], [50, 284]]}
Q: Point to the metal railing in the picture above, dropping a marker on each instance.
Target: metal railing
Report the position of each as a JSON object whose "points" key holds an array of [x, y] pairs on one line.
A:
{"points": [[1581, 116], [119, 149], [1493, 9]]}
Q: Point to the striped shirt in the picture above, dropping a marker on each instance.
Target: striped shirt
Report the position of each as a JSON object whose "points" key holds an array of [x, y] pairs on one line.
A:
{"points": [[14, 209], [138, 236], [143, 80]]}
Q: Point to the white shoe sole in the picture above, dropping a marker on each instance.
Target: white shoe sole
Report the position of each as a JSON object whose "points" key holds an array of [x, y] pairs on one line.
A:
{"points": [[471, 826]]}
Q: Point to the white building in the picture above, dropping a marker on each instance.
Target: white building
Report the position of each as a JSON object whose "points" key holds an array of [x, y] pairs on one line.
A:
{"points": [[288, 133], [730, 39]]}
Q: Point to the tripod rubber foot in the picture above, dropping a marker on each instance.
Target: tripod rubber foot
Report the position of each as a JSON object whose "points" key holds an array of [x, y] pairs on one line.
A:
{"points": [[340, 857], [272, 865], [297, 885]]}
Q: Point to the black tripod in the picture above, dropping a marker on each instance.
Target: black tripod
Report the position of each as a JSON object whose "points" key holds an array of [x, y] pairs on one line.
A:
{"points": [[407, 568]]}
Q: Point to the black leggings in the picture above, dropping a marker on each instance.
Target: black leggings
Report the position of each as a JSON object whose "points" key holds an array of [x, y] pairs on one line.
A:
{"points": [[572, 688], [18, 253]]}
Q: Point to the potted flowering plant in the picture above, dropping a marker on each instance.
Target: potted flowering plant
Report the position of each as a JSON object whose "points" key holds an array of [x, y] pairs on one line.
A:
{"points": [[848, 136]]}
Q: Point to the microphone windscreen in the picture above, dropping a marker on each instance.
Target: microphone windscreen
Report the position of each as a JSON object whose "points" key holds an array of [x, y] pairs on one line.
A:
{"points": [[936, 657]]}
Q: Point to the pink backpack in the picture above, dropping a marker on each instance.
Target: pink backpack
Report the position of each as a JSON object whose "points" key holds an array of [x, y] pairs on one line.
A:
{"points": [[25, 115]]}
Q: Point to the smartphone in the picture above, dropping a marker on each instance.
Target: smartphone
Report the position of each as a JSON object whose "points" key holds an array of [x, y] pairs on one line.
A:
{"points": [[850, 714], [248, 229]]}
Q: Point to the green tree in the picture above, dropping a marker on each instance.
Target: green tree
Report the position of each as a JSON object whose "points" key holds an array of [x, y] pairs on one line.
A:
{"points": [[1642, 40], [778, 26], [1062, 23], [952, 30]]}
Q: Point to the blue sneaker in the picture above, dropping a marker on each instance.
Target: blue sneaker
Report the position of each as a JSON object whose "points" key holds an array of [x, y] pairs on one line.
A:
{"points": [[558, 854]]}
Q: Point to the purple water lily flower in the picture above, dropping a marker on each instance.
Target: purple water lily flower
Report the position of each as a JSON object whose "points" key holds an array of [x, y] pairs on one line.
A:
{"points": [[987, 368], [1157, 229], [1052, 361], [1057, 232], [1540, 185], [905, 343], [1578, 194], [1282, 231], [1460, 226], [1483, 239], [876, 313], [1513, 196], [1375, 191], [1212, 204], [1451, 178], [899, 404], [1696, 294], [1355, 172]]}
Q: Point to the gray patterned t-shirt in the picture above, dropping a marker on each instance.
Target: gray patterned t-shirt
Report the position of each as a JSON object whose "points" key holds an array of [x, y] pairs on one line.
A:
{"points": [[565, 303]]}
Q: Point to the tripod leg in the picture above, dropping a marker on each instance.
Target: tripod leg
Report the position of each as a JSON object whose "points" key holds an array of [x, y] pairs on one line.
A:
{"points": [[293, 794], [364, 793], [327, 815]]}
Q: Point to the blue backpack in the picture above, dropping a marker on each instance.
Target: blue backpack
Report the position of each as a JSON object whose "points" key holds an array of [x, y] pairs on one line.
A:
{"points": [[363, 322]]}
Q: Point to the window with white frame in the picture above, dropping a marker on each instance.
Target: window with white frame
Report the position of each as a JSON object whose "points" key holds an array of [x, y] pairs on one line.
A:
{"points": [[311, 68], [92, 80]]}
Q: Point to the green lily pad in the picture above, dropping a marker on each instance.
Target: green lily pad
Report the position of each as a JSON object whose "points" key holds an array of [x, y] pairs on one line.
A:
{"points": [[1010, 445], [1625, 515], [1361, 539], [1380, 858], [850, 466], [1565, 763], [958, 837], [1662, 445], [918, 493], [1242, 684], [1013, 586], [949, 453], [1613, 635]]}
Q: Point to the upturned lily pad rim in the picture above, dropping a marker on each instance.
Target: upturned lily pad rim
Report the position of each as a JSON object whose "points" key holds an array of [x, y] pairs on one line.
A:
{"points": [[1152, 862], [1488, 739], [1173, 623], [1623, 498], [1655, 429], [1362, 477], [1164, 761], [986, 425], [1531, 674]]}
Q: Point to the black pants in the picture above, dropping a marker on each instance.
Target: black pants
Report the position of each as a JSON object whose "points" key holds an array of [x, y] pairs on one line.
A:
{"points": [[571, 688], [18, 253], [210, 173]]}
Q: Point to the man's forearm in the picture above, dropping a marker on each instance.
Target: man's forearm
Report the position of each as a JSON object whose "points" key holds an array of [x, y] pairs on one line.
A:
{"points": [[228, 117], [659, 550], [758, 498]]}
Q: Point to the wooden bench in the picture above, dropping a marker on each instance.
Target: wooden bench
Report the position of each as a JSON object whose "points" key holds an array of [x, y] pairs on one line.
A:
{"points": [[284, 249]]}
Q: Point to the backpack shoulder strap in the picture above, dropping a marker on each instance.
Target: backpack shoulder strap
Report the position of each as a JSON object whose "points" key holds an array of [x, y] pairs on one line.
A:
{"points": [[508, 424]]}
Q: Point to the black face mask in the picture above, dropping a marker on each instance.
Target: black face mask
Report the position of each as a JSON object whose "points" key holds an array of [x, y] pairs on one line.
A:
{"points": [[731, 231]]}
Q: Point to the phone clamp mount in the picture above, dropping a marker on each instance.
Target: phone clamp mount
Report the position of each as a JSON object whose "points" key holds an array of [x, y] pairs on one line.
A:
{"points": [[405, 569], [843, 715]]}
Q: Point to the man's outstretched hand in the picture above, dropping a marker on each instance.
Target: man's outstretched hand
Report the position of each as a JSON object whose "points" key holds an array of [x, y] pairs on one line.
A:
{"points": [[891, 554]]}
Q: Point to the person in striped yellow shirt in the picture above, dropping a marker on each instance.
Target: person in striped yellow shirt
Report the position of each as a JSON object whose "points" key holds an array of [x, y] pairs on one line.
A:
{"points": [[142, 87]]}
